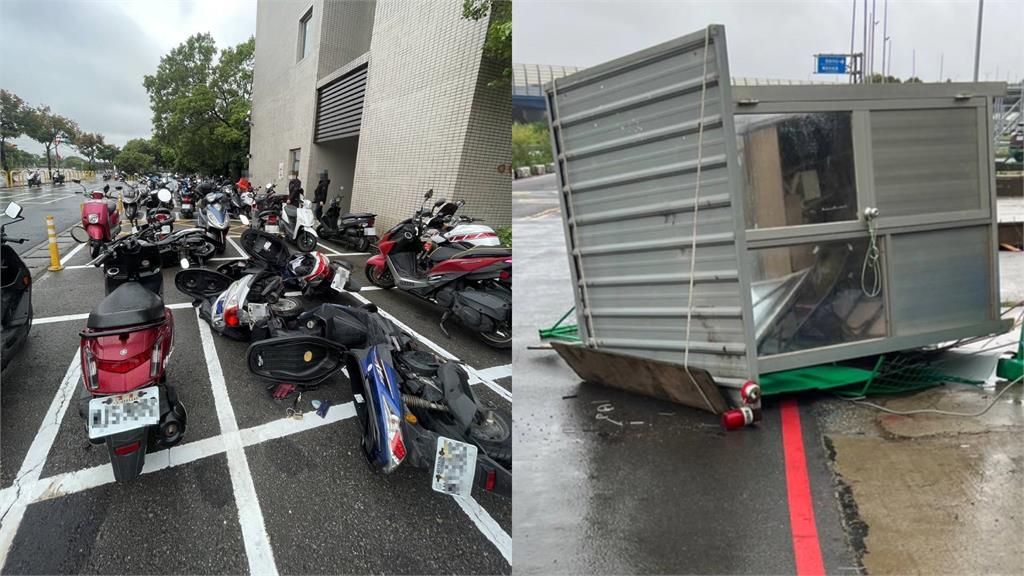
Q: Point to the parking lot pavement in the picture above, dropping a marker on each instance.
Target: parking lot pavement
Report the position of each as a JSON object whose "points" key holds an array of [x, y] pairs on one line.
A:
{"points": [[63, 202], [248, 489]]}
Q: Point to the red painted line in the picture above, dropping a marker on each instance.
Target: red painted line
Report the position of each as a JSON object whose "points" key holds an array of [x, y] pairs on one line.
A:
{"points": [[806, 547]]}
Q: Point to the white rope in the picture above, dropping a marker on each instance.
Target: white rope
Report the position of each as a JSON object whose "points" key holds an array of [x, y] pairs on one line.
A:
{"points": [[696, 204], [871, 263]]}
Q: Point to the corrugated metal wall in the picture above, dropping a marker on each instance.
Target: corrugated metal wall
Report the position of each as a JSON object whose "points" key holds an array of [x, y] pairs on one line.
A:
{"points": [[626, 135], [339, 107]]}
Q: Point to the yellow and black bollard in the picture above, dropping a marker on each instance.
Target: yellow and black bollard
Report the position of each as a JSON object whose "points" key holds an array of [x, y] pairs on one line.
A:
{"points": [[51, 232]]}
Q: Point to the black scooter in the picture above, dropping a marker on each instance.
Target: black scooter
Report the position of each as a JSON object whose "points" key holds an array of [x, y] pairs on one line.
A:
{"points": [[354, 229], [15, 291]]}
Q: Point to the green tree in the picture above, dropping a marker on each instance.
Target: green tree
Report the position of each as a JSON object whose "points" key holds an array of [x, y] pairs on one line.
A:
{"points": [[13, 115], [201, 104], [134, 157], [90, 145], [530, 144], [44, 126], [17, 158], [107, 153], [498, 44], [74, 163]]}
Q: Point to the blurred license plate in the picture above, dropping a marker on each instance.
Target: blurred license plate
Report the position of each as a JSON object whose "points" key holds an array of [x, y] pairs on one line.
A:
{"points": [[371, 231], [454, 467], [122, 412], [340, 278], [165, 229], [272, 228], [186, 206]]}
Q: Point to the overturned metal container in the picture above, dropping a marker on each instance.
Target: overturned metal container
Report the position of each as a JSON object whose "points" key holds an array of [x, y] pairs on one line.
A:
{"points": [[743, 230]]}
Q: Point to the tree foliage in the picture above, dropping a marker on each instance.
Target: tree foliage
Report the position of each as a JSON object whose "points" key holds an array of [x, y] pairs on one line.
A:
{"points": [[43, 126], [201, 104], [530, 144], [90, 144], [13, 116], [137, 157], [498, 45]]}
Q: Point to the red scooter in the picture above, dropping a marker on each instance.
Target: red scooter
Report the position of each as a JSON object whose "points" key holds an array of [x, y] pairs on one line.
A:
{"points": [[125, 398], [100, 217], [472, 283]]}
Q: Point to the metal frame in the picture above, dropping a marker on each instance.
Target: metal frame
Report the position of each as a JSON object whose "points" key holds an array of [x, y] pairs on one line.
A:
{"points": [[860, 101]]}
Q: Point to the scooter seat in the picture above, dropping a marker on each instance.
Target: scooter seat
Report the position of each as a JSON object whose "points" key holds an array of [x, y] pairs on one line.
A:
{"points": [[290, 210], [129, 304]]}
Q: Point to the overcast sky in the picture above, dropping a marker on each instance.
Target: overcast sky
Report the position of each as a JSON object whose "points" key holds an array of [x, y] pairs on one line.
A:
{"points": [[86, 58], [777, 39]]}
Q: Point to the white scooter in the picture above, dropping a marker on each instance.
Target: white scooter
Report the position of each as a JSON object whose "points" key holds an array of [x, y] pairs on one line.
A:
{"points": [[298, 225]]}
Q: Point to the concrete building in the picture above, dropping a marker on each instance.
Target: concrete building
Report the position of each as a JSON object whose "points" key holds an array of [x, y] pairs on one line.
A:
{"points": [[391, 97]]}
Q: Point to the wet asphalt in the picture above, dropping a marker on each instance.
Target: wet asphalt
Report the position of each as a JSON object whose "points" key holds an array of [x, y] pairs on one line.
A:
{"points": [[668, 491], [62, 201], [324, 511]]}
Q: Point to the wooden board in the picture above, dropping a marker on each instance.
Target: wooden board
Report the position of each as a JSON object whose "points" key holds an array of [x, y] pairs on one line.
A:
{"points": [[652, 378]]}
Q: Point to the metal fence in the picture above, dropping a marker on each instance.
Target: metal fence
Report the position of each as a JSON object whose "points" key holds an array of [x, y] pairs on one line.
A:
{"points": [[12, 178]]}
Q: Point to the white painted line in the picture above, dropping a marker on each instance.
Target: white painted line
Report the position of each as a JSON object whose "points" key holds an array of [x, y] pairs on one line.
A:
{"points": [[486, 524], [58, 199], [17, 499], [496, 372], [68, 317], [292, 294], [250, 515], [70, 254], [332, 251], [237, 247], [473, 372], [226, 258]]}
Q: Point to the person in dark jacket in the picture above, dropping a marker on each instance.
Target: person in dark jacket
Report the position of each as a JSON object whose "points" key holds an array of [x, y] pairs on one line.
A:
{"points": [[320, 195], [294, 190]]}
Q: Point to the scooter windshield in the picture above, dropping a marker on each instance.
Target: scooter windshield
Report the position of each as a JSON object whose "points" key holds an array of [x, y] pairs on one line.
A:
{"points": [[216, 215]]}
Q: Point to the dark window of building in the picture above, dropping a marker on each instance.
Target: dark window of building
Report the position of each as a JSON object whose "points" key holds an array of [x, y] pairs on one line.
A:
{"points": [[295, 156], [304, 30]]}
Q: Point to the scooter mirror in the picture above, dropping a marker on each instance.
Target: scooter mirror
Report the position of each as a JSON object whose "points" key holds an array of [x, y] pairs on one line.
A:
{"points": [[164, 195], [245, 221], [184, 264], [429, 194], [76, 180], [78, 234], [13, 210]]}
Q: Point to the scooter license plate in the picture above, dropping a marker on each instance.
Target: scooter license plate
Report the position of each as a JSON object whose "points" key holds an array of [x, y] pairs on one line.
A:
{"points": [[371, 231], [186, 206], [454, 467], [272, 228], [165, 229], [122, 412], [340, 279]]}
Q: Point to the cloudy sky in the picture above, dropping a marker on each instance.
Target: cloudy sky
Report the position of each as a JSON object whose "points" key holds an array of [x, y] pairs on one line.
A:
{"points": [[777, 39], [86, 58]]}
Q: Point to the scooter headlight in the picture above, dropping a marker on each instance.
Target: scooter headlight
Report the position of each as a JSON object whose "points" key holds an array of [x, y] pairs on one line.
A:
{"points": [[94, 218]]}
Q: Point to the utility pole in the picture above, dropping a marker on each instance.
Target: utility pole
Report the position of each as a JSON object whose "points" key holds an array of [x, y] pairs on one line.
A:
{"points": [[864, 47], [942, 63], [977, 43], [853, 34], [913, 64], [885, 34], [873, 24]]}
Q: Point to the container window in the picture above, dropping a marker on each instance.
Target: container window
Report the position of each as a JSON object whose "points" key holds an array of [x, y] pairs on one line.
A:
{"points": [[799, 168], [812, 295]]}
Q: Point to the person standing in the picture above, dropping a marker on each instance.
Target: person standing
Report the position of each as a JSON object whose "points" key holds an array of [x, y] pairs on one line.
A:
{"points": [[294, 190], [320, 194]]}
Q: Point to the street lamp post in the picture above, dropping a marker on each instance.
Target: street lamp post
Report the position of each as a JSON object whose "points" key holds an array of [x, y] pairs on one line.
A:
{"points": [[977, 43]]}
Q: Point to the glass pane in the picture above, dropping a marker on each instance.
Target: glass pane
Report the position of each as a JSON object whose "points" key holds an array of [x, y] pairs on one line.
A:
{"points": [[812, 295], [799, 168], [305, 36]]}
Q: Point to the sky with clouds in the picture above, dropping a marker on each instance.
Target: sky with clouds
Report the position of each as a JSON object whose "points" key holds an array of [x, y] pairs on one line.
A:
{"points": [[86, 58], [778, 38]]}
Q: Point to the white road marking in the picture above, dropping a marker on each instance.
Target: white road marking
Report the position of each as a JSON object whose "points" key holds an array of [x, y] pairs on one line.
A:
{"points": [[473, 372], [71, 254], [496, 372], [17, 498], [250, 516], [237, 247], [487, 525], [68, 317]]}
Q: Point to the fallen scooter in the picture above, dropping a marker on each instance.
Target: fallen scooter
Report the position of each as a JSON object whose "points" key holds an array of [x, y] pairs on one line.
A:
{"points": [[413, 406]]}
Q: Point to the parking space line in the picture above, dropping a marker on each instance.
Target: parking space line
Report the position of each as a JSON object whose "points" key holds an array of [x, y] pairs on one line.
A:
{"points": [[67, 317], [487, 525], [237, 247], [35, 458], [473, 372], [71, 254], [332, 251], [496, 372], [250, 516]]}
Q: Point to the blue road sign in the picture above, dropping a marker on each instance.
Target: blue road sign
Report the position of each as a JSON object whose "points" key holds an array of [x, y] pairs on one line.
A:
{"points": [[831, 63]]}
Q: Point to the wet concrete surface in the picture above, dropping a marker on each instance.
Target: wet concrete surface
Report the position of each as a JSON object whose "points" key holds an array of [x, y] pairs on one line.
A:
{"points": [[316, 494], [668, 491]]}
